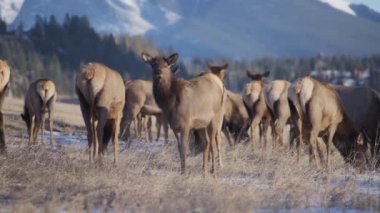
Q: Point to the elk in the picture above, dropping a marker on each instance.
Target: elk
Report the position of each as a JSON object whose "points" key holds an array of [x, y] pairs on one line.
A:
{"points": [[361, 106], [101, 94], [254, 99], [187, 105], [39, 100], [322, 111], [276, 96], [4, 85], [236, 117], [140, 102]]}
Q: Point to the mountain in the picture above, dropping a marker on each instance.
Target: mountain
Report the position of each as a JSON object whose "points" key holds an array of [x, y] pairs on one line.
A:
{"points": [[342, 5], [224, 28], [9, 9], [364, 11]]}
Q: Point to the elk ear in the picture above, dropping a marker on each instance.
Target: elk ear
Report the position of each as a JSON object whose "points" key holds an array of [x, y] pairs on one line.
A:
{"points": [[172, 59], [174, 68], [146, 57], [225, 66], [249, 74]]}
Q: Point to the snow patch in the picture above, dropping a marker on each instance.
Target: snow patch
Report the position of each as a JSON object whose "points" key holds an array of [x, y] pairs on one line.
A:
{"points": [[9, 9], [342, 5]]}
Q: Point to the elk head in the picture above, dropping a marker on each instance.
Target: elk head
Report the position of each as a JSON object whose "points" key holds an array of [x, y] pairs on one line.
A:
{"points": [[162, 67]]}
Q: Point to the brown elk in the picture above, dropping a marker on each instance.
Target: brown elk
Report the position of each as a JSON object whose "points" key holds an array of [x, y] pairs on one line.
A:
{"points": [[322, 111], [187, 105], [139, 101], [253, 96], [236, 117], [39, 100], [101, 94], [362, 116], [4, 84]]}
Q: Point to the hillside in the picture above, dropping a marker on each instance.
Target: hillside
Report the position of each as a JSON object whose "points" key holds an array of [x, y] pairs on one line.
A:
{"points": [[222, 28]]}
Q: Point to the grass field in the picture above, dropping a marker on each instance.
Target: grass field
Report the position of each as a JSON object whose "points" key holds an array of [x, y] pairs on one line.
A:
{"points": [[44, 178]]}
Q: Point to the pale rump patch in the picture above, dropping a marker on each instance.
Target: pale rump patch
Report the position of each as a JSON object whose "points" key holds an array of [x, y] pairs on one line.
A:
{"points": [[274, 91], [306, 91], [93, 74], [252, 93], [46, 90]]}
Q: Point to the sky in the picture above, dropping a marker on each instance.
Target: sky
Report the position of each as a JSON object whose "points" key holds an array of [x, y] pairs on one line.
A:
{"points": [[375, 4]]}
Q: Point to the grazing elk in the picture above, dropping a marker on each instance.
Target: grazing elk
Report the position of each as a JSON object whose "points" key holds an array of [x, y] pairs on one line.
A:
{"points": [[362, 110], [4, 84], [253, 96], [322, 111], [236, 117], [187, 105], [39, 100], [101, 94], [139, 101]]}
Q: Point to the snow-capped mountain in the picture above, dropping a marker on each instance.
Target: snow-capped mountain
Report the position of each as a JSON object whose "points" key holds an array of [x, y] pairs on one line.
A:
{"points": [[9, 9], [225, 28], [343, 5]]}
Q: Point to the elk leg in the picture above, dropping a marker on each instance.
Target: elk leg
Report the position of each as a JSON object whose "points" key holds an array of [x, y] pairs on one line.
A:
{"points": [[332, 130], [158, 127], [166, 131], [31, 130], [50, 119], [203, 136], [254, 126], [102, 120], [115, 139], [42, 128], [218, 141], [37, 126], [227, 135], [313, 148], [182, 145]]}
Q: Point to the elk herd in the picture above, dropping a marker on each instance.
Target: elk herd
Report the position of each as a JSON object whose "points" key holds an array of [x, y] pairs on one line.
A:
{"points": [[320, 115]]}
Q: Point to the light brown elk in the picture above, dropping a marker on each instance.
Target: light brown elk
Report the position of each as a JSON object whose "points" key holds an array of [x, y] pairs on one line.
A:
{"points": [[196, 104], [39, 101], [236, 117], [322, 111], [276, 96], [254, 98], [101, 94], [4, 84], [140, 102]]}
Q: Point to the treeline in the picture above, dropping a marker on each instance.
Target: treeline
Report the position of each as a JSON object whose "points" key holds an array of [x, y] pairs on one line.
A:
{"points": [[57, 50], [291, 68]]}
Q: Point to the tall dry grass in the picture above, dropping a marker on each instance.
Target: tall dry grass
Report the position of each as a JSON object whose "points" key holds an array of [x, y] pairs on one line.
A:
{"points": [[59, 178]]}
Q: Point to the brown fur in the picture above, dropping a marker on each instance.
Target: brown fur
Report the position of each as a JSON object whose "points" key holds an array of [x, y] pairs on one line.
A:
{"points": [[362, 115], [101, 94], [276, 96], [322, 112], [39, 100], [254, 99], [196, 104], [236, 117], [4, 84]]}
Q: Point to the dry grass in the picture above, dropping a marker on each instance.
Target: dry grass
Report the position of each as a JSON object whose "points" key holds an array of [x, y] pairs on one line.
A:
{"points": [[55, 178]]}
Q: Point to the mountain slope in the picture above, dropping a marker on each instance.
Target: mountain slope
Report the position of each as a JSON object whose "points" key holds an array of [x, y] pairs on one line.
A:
{"points": [[365, 12], [224, 28]]}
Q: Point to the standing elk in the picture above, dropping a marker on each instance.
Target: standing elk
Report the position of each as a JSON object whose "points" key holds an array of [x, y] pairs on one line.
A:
{"points": [[101, 94], [195, 104], [254, 98], [322, 111], [139, 100], [4, 84], [39, 100]]}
